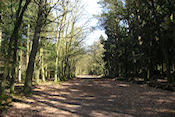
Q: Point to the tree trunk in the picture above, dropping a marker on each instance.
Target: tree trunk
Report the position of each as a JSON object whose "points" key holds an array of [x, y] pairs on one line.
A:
{"points": [[13, 44], [28, 44], [30, 68], [56, 68], [2, 79], [46, 73], [173, 67], [56, 62], [42, 64], [0, 36], [20, 67], [37, 74], [57, 49], [164, 67], [3, 84], [148, 74]]}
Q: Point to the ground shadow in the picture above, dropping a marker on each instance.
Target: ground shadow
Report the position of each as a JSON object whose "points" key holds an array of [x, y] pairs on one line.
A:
{"points": [[89, 97]]}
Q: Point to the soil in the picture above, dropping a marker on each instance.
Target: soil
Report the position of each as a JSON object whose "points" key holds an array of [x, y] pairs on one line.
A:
{"points": [[94, 97]]}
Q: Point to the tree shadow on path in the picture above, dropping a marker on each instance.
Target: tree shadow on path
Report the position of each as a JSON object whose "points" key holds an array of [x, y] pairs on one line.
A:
{"points": [[89, 97]]}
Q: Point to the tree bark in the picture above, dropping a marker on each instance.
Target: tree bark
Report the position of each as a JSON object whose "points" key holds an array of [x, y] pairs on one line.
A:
{"points": [[37, 73], [28, 44], [2, 80], [20, 67], [42, 64], [13, 44], [0, 36], [30, 68]]}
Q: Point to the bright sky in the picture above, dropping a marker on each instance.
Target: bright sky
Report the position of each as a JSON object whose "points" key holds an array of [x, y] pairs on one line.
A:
{"points": [[92, 8]]}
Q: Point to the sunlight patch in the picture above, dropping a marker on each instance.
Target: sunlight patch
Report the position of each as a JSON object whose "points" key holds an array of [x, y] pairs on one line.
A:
{"points": [[123, 85], [21, 105], [165, 110]]}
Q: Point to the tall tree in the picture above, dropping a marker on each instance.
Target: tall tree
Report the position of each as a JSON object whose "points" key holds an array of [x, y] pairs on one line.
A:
{"points": [[13, 45]]}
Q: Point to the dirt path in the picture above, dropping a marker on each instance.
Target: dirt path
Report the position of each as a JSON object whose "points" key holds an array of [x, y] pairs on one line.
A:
{"points": [[95, 98]]}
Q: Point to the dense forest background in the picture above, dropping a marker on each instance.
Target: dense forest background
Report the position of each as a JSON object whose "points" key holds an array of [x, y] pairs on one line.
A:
{"points": [[42, 40], [141, 39]]}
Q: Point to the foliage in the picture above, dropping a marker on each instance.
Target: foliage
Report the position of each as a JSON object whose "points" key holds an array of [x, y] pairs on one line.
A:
{"points": [[140, 39], [92, 61], [56, 29]]}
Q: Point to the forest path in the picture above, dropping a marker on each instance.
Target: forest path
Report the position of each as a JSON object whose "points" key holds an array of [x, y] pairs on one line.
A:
{"points": [[95, 97]]}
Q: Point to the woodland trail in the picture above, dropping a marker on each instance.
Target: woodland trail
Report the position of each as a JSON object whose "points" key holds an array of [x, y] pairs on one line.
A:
{"points": [[95, 97]]}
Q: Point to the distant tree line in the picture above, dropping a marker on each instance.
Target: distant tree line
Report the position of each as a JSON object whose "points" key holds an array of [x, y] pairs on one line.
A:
{"points": [[91, 62]]}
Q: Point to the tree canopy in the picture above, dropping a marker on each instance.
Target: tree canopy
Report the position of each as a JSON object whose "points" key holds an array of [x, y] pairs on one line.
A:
{"points": [[140, 38]]}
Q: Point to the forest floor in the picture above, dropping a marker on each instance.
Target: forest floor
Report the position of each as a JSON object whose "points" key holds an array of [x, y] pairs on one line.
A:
{"points": [[94, 97]]}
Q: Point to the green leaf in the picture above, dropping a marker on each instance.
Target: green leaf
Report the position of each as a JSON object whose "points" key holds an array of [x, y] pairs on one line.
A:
{"points": [[22, 48]]}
